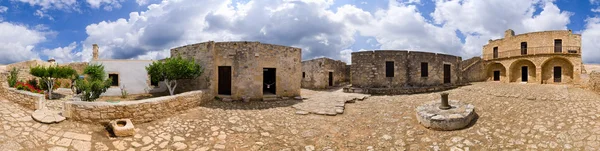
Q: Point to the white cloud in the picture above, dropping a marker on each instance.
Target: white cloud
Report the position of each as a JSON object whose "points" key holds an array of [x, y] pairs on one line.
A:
{"points": [[63, 54], [3, 9], [17, 42], [43, 14], [591, 40], [141, 2], [481, 20], [51, 4], [306, 24], [108, 4]]}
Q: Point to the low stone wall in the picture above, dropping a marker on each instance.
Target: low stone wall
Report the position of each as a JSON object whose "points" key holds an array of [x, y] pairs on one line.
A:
{"points": [[594, 82], [138, 111], [400, 91], [24, 98]]}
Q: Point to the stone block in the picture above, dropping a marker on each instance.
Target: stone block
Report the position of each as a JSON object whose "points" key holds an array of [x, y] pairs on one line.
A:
{"points": [[122, 127]]}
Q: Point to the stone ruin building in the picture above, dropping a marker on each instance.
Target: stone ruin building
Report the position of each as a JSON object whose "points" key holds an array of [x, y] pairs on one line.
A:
{"points": [[244, 70], [403, 72], [322, 73], [539, 57]]}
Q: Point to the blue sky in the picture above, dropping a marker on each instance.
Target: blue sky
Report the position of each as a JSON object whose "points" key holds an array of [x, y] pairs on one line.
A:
{"points": [[147, 29]]}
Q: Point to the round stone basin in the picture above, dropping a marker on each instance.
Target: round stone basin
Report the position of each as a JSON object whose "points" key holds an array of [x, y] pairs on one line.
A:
{"points": [[457, 117]]}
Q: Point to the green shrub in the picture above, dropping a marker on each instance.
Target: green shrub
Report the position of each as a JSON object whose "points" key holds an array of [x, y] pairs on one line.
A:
{"points": [[172, 69], [12, 77], [49, 74], [94, 84]]}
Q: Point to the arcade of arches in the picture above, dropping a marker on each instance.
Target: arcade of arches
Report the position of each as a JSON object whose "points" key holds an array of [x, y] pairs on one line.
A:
{"points": [[541, 70]]}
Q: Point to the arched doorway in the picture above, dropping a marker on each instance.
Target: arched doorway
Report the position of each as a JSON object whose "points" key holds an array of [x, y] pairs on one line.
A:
{"points": [[522, 71], [496, 72], [557, 70]]}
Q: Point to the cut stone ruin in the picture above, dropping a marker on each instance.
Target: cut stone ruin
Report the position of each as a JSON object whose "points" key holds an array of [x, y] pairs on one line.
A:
{"points": [[445, 115], [122, 127]]}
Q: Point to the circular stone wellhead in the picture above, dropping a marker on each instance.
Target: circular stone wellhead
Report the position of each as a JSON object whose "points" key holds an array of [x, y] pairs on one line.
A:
{"points": [[457, 117]]}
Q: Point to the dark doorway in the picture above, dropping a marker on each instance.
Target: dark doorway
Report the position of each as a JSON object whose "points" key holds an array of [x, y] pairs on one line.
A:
{"points": [[495, 52], [330, 78], [269, 81], [557, 74], [496, 75], [224, 86], [524, 75], [558, 46], [447, 74]]}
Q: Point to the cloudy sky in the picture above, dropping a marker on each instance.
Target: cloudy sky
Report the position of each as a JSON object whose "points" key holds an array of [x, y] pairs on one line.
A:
{"points": [[147, 29]]}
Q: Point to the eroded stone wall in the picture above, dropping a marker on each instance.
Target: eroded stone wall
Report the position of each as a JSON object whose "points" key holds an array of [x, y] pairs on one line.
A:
{"points": [[24, 98], [369, 69], [138, 111], [594, 81], [24, 68], [473, 70], [316, 73], [247, 61], [536, 41]]}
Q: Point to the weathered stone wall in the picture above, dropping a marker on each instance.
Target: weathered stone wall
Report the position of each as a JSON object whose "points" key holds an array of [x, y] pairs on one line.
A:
{"points": [[368, 69], [534, 40], [24, 98], [138, 111], [540, 68], [473, 70], [316, 73], [540, 59], [203, 54], [594, 81], [247, 61]]}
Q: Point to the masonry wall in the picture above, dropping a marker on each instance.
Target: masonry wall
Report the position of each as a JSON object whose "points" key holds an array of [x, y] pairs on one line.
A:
{"points": [[473, 70], [594, 82], [247, 60], [368, 69], [203, 54], [533, 39], [24, 68], [316, 73], [138, 111]]}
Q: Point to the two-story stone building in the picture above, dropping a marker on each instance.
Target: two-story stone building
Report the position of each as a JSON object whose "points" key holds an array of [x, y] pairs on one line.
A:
{"points": [[537, 57]]}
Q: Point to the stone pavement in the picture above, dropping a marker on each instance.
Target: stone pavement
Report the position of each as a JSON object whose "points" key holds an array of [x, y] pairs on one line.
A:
{"points": [[378, 123], [330, 102]]}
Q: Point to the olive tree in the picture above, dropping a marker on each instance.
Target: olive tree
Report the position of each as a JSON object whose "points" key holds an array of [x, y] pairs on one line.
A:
{"points": [[49, 74], [94, 83], [172, 69]]}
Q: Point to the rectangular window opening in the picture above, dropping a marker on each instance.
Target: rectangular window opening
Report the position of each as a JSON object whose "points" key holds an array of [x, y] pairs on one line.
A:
{"points": [[558, 46], [424, 69], [524, 48], [495, 52], [389, 69], [114, 78], [303, 74]]}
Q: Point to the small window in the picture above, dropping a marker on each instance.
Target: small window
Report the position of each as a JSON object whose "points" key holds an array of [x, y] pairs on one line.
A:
{"points": [[389, 69], [114, 78], [523, 48], [558, 45], [495, 52], [424, 69], [303, 74]]}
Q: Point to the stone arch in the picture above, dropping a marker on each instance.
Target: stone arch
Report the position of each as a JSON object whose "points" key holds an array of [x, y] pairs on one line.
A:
{"points": [[548, 72], [493, 67], [516, 73]]}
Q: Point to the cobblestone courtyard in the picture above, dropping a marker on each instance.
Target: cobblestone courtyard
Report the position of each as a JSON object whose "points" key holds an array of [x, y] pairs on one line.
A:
{"points": [[511, 116]]}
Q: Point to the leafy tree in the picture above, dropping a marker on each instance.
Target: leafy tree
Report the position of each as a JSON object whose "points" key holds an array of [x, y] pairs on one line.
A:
{"points": [[12, 77], [172, 69], [49, 74], [94, 83]]}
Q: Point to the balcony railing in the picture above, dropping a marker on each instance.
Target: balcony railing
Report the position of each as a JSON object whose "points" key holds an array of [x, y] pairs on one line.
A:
{"points": [[533, 51]]}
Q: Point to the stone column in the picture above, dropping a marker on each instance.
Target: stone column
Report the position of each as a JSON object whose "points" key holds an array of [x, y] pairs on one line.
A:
{"points": [[95, 52]]}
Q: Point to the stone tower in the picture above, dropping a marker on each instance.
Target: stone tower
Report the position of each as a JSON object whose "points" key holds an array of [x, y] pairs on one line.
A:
{"points": [[509, 33], [95, 53]]}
